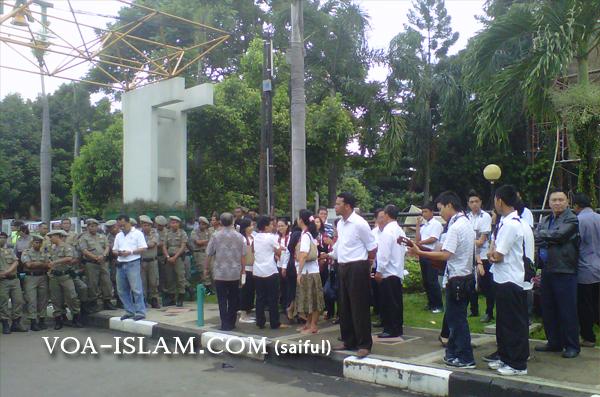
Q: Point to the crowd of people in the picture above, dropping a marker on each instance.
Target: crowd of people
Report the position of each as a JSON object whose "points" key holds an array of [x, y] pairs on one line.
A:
{"points": [[310, 270]]}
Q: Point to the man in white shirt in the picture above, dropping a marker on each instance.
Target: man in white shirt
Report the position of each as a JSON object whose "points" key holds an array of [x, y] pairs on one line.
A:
{"points": [[375, 292], [482, 224], [458, 252], [390, 272], [428, 232], [128, 246], [355, 251], [512, 328]]}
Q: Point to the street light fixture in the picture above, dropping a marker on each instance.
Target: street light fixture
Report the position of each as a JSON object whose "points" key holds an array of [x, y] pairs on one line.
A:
{"points": [[492, 174]]}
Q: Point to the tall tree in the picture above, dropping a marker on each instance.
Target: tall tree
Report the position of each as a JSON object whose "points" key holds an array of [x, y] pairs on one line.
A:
{"points": [[414, 80]]}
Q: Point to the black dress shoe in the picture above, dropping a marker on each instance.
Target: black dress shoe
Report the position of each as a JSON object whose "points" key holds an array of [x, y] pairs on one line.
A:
{"points": [[126, 316], [547, 348], [108, 305], [570, 353], [384, 335], [138, 317]]}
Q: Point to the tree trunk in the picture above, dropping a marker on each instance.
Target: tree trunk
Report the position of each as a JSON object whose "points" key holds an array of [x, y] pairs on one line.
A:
{"points": [[332, 184], [298, 110], [45, 158]]}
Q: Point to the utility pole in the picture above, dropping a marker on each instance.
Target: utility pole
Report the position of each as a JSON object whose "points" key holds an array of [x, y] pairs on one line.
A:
{"points": [[76, 147], [298, 109], [268, 94]]}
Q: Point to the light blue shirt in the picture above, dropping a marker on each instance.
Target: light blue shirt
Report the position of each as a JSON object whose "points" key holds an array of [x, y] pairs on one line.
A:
{"points": [[588, 269]]}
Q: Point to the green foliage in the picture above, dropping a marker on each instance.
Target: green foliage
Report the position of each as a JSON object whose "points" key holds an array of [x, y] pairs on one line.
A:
{"points": [[97, 172], [364, 201], [412, 282]]}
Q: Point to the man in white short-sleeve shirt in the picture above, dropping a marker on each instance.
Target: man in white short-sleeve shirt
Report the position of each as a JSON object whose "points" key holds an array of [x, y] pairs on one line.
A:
{"points": [[512, 328], [428, 233], [482, 224], [390, 272], [457, 251], [355, 251], [129, 244]]}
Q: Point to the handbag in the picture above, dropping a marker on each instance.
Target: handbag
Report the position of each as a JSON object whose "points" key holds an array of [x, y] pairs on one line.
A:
{"points": [[312, 255]]}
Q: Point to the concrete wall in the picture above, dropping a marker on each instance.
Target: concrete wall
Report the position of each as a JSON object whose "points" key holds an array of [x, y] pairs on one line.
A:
{"points": [[155, 140]]}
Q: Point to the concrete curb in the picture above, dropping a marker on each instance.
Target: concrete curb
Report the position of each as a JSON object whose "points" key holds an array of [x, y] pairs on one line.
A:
{"points": [[475, 385], [410, 377]]}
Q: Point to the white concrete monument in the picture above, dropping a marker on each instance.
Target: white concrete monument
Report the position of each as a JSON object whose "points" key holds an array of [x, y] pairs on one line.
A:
{"points": [[155, 139]]}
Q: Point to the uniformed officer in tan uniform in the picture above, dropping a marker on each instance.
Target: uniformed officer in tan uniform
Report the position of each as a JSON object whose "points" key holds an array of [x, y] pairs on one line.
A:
{"points": [[62, 288], [174, 247], [10, 288], [94, 249], [149, 268], [43, 232], [161, 222], [35, 263], [199, 241]]}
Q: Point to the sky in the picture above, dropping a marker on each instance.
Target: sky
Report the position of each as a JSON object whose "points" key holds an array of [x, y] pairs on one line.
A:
{"points": [[387, 18]]}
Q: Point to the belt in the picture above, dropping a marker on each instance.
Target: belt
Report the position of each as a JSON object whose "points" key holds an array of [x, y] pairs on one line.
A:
{"points": [[203, 251], [9, 277], [58, 273], [35, 273], [353, 263], [148, 259]]}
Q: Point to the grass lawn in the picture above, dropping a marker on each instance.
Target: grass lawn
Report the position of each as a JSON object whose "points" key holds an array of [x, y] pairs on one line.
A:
{"points": [[416, 316]]}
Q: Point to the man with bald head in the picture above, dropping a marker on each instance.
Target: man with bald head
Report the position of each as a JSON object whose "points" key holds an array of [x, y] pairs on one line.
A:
{"points": [[557, 237]]}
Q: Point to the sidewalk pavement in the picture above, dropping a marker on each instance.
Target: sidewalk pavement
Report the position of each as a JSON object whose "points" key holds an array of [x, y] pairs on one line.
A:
{"points": [[413, 362]]}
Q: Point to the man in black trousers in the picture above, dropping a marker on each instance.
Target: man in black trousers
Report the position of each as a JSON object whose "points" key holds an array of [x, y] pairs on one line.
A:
{"points": [[557, 237], [355, 251]]}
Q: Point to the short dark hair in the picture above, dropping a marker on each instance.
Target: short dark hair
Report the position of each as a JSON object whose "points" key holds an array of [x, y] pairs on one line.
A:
{"points": [[226, 219], [262, 222], [321, 208], [348, 198], [391, 210], [582, 200], [473, 193], [449, 197], [123, 217], [66, 219], [377, 211], [429, 206], [556, 190], [508, 194]]}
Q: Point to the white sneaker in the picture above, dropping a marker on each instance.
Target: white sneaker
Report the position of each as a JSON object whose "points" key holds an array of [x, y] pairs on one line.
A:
{"points": [[507, 370], [247, 319], [495, 364]]}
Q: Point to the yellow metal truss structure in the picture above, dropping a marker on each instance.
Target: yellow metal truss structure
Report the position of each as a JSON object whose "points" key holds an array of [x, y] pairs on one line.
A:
{"points": [[101, 47]]}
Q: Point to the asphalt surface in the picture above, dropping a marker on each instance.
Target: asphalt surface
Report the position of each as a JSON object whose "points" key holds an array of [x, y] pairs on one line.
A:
{"points": [[27, 369]]}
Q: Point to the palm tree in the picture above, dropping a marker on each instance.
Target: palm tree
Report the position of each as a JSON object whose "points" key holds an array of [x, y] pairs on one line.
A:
{"points": [[554, 34]]}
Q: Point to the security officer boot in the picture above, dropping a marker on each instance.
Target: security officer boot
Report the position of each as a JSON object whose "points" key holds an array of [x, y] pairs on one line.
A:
{"points": [[5, 327], [108, 305], [34, 325], [58, 322], [42, 323], [154, 303], [16, 326], [77, 321], [180, 300]]}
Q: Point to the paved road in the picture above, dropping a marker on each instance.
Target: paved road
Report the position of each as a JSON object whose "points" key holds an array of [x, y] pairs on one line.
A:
{"points": [[27, 369]]}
